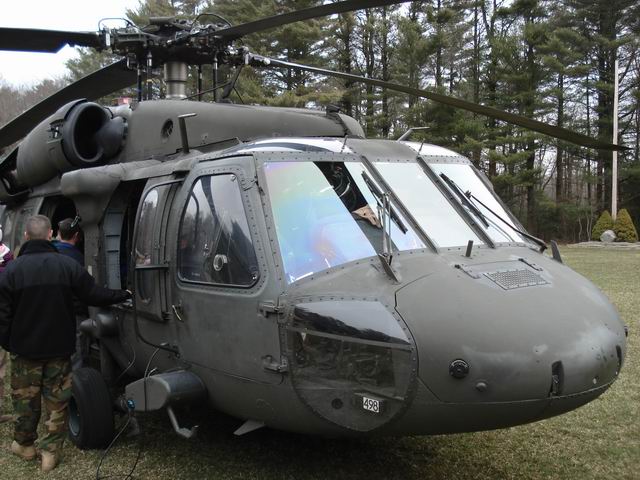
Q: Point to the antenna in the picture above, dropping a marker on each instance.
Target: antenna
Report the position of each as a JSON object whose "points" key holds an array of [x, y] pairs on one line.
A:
{"points": [[183, 131], [344, 144], [408, 133]]}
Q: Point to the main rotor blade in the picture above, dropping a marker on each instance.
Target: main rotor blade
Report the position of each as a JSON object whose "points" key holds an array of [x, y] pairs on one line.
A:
{"points": [[46, 41], [102, 82], [237, 31], [545, 128]]}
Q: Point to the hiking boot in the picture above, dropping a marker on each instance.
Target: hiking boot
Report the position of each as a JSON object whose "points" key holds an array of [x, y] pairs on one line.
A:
{"points": [[25, 452], [49, 461]]}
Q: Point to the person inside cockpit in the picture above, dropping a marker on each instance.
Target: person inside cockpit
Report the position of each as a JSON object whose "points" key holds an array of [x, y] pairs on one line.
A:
{"points": [[349, 193]]}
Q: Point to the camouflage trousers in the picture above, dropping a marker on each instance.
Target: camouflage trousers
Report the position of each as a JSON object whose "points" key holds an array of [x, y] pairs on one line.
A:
{"points": [[31, 381], [4, 356]]}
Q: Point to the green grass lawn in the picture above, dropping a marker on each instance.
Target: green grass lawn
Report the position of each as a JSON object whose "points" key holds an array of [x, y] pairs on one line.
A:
{"points": [[599, 440]]}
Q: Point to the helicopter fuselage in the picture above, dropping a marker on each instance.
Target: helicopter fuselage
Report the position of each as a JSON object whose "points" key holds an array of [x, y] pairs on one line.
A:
{"points": [[326, 285]]}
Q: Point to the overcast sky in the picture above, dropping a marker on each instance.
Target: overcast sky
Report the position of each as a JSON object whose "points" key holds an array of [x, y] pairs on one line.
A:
{"points": [[21, 68]]}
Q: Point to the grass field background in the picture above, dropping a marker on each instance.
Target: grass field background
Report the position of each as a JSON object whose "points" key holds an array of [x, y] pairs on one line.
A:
{"points": [[600, 440]]}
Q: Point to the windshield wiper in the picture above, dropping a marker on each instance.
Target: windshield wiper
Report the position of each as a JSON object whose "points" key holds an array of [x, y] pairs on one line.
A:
{"points": [[386, 216], [465, 200], [380, 197], [538, 241]]}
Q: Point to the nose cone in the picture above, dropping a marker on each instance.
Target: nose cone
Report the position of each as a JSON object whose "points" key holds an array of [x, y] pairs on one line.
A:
{"points": [[540, 333]]}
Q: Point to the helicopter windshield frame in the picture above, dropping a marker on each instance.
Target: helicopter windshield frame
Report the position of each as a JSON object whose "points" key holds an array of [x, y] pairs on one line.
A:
{"points": [[429, 213], [341, 243]]}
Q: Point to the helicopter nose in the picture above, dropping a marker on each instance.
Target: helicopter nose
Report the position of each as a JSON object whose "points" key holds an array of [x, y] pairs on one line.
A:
{"points": [[550, 334]]}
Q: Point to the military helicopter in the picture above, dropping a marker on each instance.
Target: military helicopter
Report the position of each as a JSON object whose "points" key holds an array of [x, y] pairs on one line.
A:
{"points": [[287, 270]]}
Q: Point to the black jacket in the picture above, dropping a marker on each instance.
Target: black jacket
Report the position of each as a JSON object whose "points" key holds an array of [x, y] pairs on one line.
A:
{"points": [[37, 318], [71, 251]]}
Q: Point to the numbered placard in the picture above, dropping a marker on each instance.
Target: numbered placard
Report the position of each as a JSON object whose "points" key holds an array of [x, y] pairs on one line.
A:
{"points": [[371, 404]]}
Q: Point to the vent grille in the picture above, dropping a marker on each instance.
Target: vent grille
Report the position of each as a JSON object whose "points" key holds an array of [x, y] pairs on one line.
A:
{"points": [[511, 279]]}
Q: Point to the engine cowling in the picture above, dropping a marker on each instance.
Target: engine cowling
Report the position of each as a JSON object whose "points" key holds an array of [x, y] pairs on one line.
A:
{"points": [[79, 135]]}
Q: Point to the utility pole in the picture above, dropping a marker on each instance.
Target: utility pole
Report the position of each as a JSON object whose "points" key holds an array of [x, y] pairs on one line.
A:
{"points": [[614, 166]]}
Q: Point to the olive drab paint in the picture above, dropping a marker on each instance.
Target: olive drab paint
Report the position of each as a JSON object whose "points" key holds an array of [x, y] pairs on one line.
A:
{"points": [[251, 273], [285, 269]]}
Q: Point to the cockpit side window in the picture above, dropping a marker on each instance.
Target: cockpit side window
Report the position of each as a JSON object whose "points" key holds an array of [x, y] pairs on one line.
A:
{"points": [[215, 244], [312, 213]]}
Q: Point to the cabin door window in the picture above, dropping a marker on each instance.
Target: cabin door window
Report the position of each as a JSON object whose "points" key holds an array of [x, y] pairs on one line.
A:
{"points": [[215, 244], [149, 252], [145, 246]]}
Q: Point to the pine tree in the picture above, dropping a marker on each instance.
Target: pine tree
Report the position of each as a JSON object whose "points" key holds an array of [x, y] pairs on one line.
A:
{"points": [[341, 47], [605, 222], [605, 25], [412, 55], [526, 78], [537, 58], [562, 55], [624, 229], [300, 42], [384, 39]]}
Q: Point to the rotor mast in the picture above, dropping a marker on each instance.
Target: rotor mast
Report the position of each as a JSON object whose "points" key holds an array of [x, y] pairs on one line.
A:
{"points": [[175, 79]]}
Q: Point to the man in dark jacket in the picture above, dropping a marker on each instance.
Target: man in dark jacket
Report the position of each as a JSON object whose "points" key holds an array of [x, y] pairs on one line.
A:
{"points": [[38, 327], [69, 236]]}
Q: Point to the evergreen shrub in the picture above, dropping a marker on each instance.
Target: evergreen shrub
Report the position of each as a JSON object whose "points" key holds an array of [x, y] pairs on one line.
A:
{"points": [[624, 228], [605, 222]]}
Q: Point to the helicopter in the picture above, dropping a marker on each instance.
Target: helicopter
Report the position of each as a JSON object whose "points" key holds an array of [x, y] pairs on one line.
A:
{"points": [[286, 270]]}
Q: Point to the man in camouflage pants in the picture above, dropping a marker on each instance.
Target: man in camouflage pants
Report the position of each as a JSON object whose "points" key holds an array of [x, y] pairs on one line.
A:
{"points": [[4, 356], [5, 257], [28, 378], [38, 327]]}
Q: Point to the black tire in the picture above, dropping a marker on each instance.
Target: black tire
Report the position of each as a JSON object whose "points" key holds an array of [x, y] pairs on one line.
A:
{"points": [[91, 422]]}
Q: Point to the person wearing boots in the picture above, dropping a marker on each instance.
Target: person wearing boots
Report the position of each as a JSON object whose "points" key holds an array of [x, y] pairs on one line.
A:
{"points": [[38, 328], [5, 257]]}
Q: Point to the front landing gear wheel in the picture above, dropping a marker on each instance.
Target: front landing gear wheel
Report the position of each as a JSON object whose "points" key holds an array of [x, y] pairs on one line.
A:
{"points": [[90, 410]]}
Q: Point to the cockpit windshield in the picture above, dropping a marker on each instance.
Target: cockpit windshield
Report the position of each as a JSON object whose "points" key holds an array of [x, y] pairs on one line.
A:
{"points": [[328, 213], [315, 230], [431, 209], [466, 179]]}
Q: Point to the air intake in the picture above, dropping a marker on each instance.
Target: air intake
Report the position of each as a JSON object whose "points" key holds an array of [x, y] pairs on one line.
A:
{"points": [[512, 279]]}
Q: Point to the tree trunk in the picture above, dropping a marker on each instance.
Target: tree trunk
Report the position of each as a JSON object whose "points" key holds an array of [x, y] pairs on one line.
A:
{"points": [[529, 111], [414, 74], [438, 46], [386, 76], [559, 147], [492, 83], [369, 57], [345, 62], [606, 60], [477, 151], [589, 179]]}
